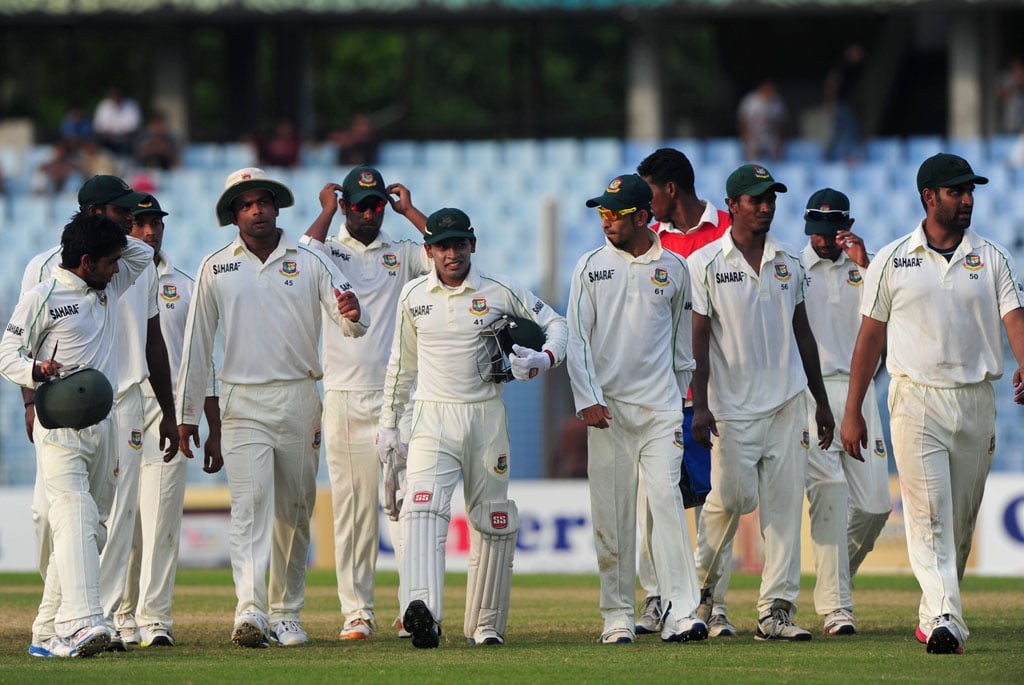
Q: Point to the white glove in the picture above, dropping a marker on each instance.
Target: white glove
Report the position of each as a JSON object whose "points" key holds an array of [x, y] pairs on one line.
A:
{"points": [[390, 447], [394, 491], [527, 363]]}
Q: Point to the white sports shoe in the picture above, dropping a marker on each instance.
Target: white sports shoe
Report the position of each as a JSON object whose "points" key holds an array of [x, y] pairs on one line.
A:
{"points": [[88, 641], [356, 629], [485, 636], [840, 622], [686, 629], [777, 624], [155, 635], [945, 637], [127, 628], [705, 605], [51, 646], [650, 620], [719, 626], [250, 630], [617, 636], [289, 634]]}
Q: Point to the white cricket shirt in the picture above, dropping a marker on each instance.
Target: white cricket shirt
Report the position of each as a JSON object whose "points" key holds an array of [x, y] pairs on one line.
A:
{"points": [[755, 365], [832, 298], [944, 319]]}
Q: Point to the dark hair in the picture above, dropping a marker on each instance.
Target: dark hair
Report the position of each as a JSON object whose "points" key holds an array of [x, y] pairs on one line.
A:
{"points": [[90, 234], [667, 164]]}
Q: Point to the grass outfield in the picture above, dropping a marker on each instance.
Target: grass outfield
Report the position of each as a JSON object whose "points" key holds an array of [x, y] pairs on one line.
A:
{"points": [[551, 638]]}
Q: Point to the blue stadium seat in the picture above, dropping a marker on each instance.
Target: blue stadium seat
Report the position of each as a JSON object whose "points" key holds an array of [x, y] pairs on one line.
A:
{"points": [[318, 155], [693, 148], [604, 154], [524, 153], [634, 152], [804, 150], [481, 156], [974, 150], [441, 155], [203, 156], [885, 150], [562, 153], [831, 175], [723, 151], [399, 153], [920, 148], [999, 147], [239, 155]]}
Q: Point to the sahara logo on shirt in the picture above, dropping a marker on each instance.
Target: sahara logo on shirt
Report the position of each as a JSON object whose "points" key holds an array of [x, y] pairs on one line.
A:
{"points": [[805, 439], [501, 468], [289, 269], [660, 277], [854, 278], [169, 293], [135, 440], [782, 272], [879, 447], [57, 313], [390, 262], [479, 307], [972, 262]]}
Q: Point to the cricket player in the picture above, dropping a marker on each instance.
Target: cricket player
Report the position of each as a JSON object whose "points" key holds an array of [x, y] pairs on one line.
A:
{"points": [[630, 365], [755, 354], [76, 311], [378, 267], [144, 614], [265, 296], [934, 299], [849, 499], [458, 427]]}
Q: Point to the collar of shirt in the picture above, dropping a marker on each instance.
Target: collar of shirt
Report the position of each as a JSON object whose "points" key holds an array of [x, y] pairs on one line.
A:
{"points": [[71, 279], [810, 258], [164, 267], [653, 253], [471, 282], [283, 245], [919, 240], [710, 216], [732, 253], [381, 241]]}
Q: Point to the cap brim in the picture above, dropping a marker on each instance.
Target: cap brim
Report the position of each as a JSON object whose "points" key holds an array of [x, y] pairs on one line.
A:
{"points": [[966, 178], [363, 193], [821, 228], [431, 240], [608, 203], [140, 212], [281, 193], [764, 187], [128, 200]]}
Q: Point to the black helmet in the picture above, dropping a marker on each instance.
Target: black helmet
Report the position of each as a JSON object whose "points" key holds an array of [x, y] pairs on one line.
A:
{"points": [[496, 343], [77, 398]]}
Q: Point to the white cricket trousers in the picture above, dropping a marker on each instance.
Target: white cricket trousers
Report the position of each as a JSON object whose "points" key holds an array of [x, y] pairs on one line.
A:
{"points": [[838, 488], [350, 431], [78, 475], [270, 436], [639, 444], [448, 440], [943, 440], [149, 588], [758, 463], [128, 415]]}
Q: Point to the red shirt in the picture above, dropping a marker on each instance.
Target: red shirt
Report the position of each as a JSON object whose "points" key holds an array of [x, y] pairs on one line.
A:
{"points": [[686, 244]]}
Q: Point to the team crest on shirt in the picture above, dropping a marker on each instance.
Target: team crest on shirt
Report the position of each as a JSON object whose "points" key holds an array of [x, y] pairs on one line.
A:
{"points": [[390, 262], [102, 298], [499, 520], [479, 307], [501, 468], [677, 439], [367, 180], [782, 272], [992, 445], [972, 262], [289, 269], [135, 439], [854, 278], [169, 293], [805, 439], [879, 447], [660, 277], [316, 439], [422, 497]]}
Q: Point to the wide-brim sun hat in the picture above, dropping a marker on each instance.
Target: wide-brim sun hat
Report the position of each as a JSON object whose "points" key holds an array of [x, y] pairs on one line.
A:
{"points": [[244, 180]]}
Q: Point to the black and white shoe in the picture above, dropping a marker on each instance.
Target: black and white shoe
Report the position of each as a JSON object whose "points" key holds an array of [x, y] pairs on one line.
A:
{"points": [[420, 622]]}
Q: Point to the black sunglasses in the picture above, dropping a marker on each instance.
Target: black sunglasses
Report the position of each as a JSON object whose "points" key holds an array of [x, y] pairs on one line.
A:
{"points": [[832, 216]]}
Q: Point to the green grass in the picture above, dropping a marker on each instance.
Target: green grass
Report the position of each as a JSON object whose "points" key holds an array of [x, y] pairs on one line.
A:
{"points": [[551, 638]]}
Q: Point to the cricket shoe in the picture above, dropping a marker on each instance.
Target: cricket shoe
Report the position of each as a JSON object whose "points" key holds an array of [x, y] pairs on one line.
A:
{"points": [[485, 636], [687, 629], [617, 636], [88, 642], [127, 628], [288, 634], [840, 622], [777, 624], [250, 630], [420, 622], [403, 634], [155, 635], [116, 642], [650, 620], [51, 646], [921, 636], [719, 626], [356, 629], [946, 637], [705, 604]]}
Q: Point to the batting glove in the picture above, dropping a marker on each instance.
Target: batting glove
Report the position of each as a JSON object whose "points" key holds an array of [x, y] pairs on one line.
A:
{"points": [[394, 491], [527, 363], [390, 447]]}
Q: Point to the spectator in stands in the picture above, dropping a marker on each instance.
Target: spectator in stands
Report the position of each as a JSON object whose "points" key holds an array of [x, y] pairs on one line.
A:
{"points": [[282, 148], [762, 116], [75, 129], [1011, 96], [157, 148], [844, 136], [96, 161], [51, 176], [116, 121], [357, 145]]}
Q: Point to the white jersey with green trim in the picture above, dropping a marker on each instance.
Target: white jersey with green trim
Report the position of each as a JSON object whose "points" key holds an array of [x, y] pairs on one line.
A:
{"points": [[832, 299]]}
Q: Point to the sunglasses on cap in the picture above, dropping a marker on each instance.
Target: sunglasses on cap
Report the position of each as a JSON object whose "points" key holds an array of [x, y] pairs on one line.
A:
{"points": [[614, 214], [376, 205], [831, 216]]}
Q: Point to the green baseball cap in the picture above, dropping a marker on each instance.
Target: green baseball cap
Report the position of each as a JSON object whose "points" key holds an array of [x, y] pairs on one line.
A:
{"points": [[447, 223], [363, 182], [945, 171], [147, 205], [105, 189], [77, 398], [624, 192], [753, 180], [827, 213]]}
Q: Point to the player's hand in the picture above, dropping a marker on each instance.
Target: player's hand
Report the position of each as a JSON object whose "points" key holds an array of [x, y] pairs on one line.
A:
{"points": [[826, 425], [854, 434], [853, 245], [169, 437], [188, 435], [390, 449], [213, 460], [329, 198], [1018, 388], [399, 198], [596, 416], [45, 369], [527, 363], [348, 305], [703, 426]]}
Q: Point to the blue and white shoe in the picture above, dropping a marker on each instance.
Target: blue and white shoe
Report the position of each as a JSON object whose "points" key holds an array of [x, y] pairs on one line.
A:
{"points": [[51, 646], [89, 641], [650, 620]]}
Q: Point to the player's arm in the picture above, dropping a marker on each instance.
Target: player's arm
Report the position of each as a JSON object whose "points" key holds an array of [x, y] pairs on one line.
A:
{"points": [[808, 349], [213, 460], [866, 353], [1014, 323], [682, 334], [196, 361], [402, 367], [160, 380], [135, 257], [703, 426], [400, 200], [317, 230], [340, 301], [581, 319]]}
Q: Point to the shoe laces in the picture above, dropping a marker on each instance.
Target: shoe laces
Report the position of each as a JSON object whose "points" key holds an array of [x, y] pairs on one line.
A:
{"points": [[653, 605], [842, 615], [289, 627], [781, 617]]}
